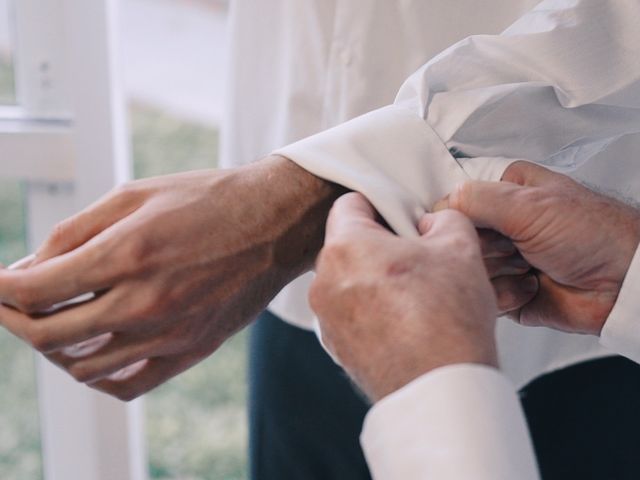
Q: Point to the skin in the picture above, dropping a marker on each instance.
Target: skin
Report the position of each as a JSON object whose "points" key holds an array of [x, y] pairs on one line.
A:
{"points": [[581, 242], [393, 309], [179, 264]]}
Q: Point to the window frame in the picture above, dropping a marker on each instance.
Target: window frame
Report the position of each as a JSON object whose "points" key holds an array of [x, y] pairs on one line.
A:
{"points": [[67, 139]]}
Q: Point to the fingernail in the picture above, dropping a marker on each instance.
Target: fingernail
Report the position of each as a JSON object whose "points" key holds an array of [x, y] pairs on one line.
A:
{"points": [[22, 263], [520, 262], [424, 223], [88, 347], [530, 284], [441, 204], [128, 372]]}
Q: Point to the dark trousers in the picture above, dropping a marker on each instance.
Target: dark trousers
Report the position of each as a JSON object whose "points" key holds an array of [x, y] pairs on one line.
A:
{"points": [[305, 416]]}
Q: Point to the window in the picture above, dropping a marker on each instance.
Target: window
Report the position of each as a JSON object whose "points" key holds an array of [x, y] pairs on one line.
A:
{"points": [[7, 78], [174, 66], [20, 435], [63, 143]]}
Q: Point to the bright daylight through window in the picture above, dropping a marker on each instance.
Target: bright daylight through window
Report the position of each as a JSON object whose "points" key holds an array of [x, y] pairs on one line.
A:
{"points": [[20, 456], [7, 82], [174, 69]]}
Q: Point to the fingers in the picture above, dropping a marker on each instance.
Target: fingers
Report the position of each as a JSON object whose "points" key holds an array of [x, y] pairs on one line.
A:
{"points": [[23, 263], [110, 358], [72, 260], [498, 206], [152, 373], [528, 173], [350, 213], [38, 289], [81, 271], [446, 221], [68, 326], [495, 245], [502, 266], [513, 293], [80, 228]]}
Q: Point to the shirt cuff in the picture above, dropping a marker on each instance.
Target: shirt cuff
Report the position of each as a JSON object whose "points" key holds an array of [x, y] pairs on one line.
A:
{"points": [[390, 155], [460, 421], [621, 331]]}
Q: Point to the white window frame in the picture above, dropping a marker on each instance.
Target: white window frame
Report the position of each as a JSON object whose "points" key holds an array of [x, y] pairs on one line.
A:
{"points": [[67, 139]]}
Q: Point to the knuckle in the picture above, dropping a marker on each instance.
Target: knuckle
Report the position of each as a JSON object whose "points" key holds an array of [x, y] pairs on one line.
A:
{"points": [[455, 219], [40, 338], [121, 391], [127, 394], [80, 372], [534, 195], [24, 297], [183, 341], [61, 232], [137, 251], [125, 195], [124, 191], [165, 300], [463, 243], [460, 198], [182, 337], [130, 193], [93, 326], [507, 298], [149, 306], [336, 253], [317, 295], [195, 343]]}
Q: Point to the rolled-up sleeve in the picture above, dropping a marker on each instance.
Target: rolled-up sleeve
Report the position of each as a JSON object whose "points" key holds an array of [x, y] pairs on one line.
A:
{"points": [[461, 421], [555, 88]]}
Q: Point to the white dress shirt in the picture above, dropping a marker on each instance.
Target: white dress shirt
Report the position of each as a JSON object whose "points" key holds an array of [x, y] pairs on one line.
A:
{"points": [[467, 424], [558, 87]]}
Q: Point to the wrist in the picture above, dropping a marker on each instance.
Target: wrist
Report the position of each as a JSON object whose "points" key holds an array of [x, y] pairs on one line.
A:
{"points": [[622, 247], [385, 381], [297, 204]]}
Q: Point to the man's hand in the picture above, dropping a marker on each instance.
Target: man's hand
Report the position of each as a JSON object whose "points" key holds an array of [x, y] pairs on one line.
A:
{"points": [[177, 265], [392, 309], [582, 242]]}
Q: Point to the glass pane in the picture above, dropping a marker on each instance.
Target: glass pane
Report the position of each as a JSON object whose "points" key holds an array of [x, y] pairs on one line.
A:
{"points": [[196, 424], [164, 144], [7, 83], [20, 456], [174, 63]]}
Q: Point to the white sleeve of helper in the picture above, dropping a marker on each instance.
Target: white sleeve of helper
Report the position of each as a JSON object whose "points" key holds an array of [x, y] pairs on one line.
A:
{"points": [[459, 421]]}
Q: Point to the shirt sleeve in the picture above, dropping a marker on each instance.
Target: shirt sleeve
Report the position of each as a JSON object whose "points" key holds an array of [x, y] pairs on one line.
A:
{"points": [[555, 88], [461, 421], [621, 331]]}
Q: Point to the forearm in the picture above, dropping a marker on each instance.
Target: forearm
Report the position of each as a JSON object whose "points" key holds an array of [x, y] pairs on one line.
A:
{"points": [[296, 204]]}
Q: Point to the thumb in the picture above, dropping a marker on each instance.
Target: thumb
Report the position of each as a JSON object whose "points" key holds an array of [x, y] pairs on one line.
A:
{"points": [[23, 263], [494, 205], [350, 213], [82, 227]]}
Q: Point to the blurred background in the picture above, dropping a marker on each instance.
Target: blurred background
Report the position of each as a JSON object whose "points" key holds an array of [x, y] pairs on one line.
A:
{"points": [[173, 59]]}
